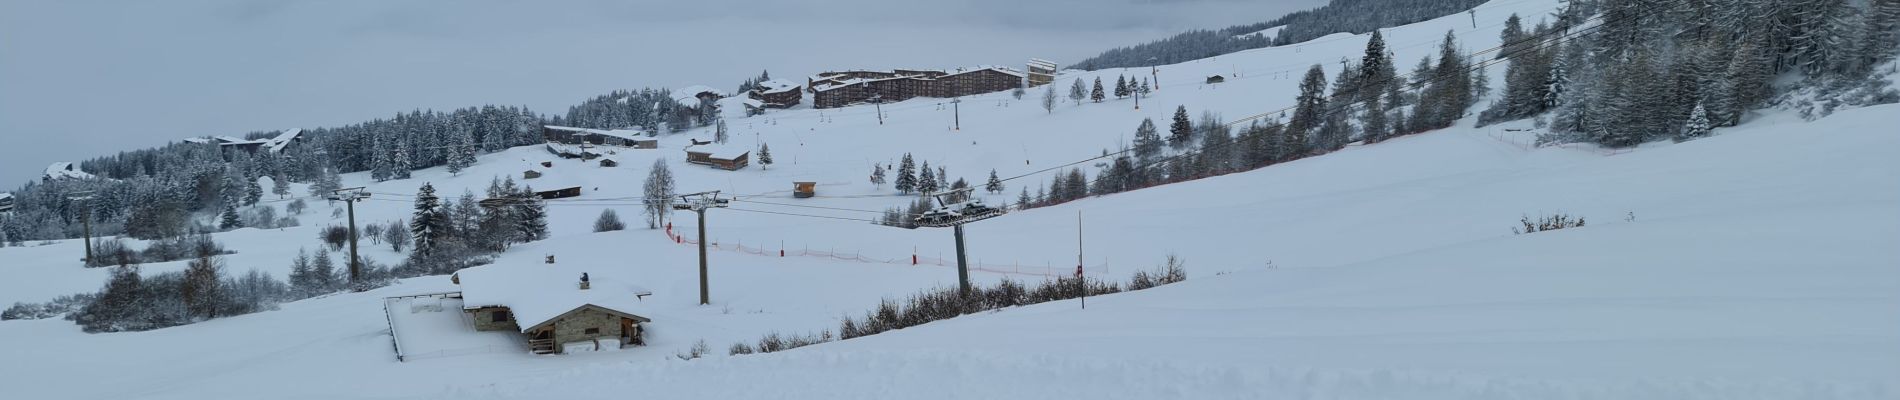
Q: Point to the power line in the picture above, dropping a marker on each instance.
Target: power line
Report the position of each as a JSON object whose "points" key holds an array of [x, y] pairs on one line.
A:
{"points": [[809, 206]]}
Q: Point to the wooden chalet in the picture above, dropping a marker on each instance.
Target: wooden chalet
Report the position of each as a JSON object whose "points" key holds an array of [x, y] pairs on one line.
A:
{"points": [[563, 191], [608, 163], [556, 308], [718, 156], [804, 189], [6, 203]]}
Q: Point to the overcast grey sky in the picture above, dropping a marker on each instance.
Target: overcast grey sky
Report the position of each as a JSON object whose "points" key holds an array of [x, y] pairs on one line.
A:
{"points": [[85, 78]]}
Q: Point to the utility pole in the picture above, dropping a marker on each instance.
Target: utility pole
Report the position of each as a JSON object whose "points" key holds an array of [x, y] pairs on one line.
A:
{"points": [[956, 113], [349, 197], [1078, 260], [698, 203], [85, 217]]}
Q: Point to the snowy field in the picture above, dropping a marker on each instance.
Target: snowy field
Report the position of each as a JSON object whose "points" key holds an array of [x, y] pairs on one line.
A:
{"points": [[1759, 263]]}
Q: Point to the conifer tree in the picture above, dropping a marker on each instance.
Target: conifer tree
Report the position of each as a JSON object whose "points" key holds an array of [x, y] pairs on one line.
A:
{"points": [[401, 164], [1308, 112], [765, 155], [532, 224], [1121, 86], [1148, 142], [906, 175], [1096, 95], [463, 154], [280, 185], [228, 219], [1181, 131], [926, 181], [300, 274], [994, 185], [1698, 125], [427, 225], [323, 273]]}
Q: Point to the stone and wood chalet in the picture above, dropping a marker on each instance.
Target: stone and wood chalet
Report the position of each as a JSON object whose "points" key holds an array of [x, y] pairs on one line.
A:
{"points": [[553, 308]]}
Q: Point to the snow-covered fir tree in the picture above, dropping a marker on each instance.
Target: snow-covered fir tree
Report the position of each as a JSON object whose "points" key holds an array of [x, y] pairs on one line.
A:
{"points": [[1096, 95], [926, 180], [906, 175], [1698, 125], [427, 224]]}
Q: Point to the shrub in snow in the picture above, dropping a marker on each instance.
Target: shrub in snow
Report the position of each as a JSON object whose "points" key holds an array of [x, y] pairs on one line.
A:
{"points": [[608, 221], [59, 305], [945, 303], [699, 349], [295, 207], [112, 252], [180, 248], [131, 302], [739, 348], [335, 236], [374, 232], [1547, 223], [396, 235]]}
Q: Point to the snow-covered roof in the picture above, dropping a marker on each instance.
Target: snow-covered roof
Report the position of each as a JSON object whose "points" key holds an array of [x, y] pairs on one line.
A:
{"points": [[6, 195], [633, 133], [536, 293], [776, 86], [227, 140], [65, 170], [200, 140], [690, 94], [997, 68], [283, 139], [1041, 63], [719, 151], [754, 103]]}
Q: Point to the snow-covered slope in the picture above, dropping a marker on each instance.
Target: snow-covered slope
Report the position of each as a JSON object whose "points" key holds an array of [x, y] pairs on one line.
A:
{"points": [[1758, 263]]}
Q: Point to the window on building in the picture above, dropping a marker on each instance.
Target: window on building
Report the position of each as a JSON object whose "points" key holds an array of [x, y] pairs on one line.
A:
{"points": [[499, 316], [593, 331]]}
